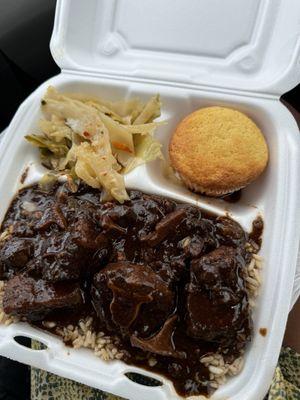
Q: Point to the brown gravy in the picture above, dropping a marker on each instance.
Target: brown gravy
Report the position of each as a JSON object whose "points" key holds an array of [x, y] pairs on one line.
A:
{"points": [[167, 278]]}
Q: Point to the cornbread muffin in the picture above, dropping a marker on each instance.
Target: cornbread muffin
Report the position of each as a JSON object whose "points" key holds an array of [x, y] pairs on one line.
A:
{"points": [[218, 150]]}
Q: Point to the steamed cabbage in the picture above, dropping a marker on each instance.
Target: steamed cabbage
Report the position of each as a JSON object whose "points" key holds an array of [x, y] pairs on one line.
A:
{"points": [[95, 140]]}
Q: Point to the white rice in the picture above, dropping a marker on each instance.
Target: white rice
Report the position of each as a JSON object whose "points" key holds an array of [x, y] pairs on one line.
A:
{"points": [[6, 233], [5, 318], [83, 335]]}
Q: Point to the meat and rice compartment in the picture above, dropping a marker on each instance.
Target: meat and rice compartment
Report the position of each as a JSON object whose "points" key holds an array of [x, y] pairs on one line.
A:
{"points": [[158, 229]]}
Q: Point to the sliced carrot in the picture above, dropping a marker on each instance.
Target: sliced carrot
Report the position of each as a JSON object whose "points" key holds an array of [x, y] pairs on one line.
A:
{"points": [[121, 146]]}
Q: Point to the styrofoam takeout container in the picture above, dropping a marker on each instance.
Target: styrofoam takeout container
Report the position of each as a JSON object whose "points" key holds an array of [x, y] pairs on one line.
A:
{"points": [[238, 53]]}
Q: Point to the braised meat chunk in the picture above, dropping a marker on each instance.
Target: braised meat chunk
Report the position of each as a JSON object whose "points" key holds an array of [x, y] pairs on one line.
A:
{"points": [[26, 297], [52, 216], [229, 232], [131, 298], [14, 255], [164, 228], [217, 299]]}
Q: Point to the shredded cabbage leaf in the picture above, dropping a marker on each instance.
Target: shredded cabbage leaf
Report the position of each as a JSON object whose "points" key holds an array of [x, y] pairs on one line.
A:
{"points": [[95, 140]]}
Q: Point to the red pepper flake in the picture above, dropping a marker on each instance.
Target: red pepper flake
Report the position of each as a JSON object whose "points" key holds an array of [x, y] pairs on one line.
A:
{"points": [[263, 331], [86, 134]]}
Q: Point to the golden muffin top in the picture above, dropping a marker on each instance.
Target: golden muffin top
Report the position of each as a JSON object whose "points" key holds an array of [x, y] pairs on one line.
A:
{"points": [[217, 150]]}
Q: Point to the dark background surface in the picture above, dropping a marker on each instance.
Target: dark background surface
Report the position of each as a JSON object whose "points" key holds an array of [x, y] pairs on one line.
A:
{"points": [[25, 59], [25, 62]]}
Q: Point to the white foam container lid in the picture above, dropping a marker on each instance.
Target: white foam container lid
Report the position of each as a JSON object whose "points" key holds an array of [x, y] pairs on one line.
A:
{"points": [[239, 53]]}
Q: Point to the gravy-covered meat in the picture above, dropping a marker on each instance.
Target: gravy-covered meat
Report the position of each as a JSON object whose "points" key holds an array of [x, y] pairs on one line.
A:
{"points": [[131, 298], [14, 255], [163, 228], [59, 258], [34, 299], [166, 278], [217, 306], [229, 232]]}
